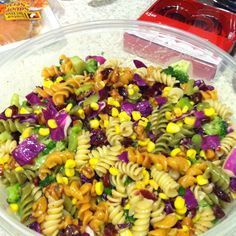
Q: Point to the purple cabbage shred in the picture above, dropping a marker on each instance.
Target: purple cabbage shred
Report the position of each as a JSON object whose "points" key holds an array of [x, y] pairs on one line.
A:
{"points": [[210, 142], [139, 64], [190, 199], [100, 59], [124, 157]]}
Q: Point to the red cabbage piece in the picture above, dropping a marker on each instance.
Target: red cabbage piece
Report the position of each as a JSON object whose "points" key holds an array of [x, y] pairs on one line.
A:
{"points": [[50, 112], [33, 99], [139, 64], [210, 142], [218, 212], [161, 100], [35, 226], [230, 163], [128, 107], [139, 80], [202, 86], [63, 121], [144, 107], [124, 157], [27, 150], [31, 118], [103, 93], [200, 117], [190, 200], [98, 138], [168, 207], [233, 184], [100, 59]]}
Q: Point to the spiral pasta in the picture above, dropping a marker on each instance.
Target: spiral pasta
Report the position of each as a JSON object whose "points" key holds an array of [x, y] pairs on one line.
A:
{"points": [[53, 219], [175, 94], [112, 136], [158, 119], [221, 109], [204, 222], [54, 159], [166, 183], [126, 129], [13, 126], [81, 156], [26, 202], [69, 206], [39, 209], [162, 143], [7, 148], [217, 175], [161, 77], [116, 214], [131, 169], [158, 212], [142, 215], [228, 142], [51, 72]]}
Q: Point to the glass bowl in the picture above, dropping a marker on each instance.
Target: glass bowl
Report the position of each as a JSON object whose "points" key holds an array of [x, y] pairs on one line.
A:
{"points": [[125, 40]]}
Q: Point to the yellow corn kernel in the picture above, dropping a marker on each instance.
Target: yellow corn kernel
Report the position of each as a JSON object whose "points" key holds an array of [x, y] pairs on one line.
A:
{"points": [[178, 112], [93, 161], [163, 196], [191, 154], [154, 184], [189, 120], [134, 136], [69, 107], [209, 111], [127, 206], [94, 124], [27, 132], [125, 232], [189, 163], [47, 83], [182, 211], [74, 201], [151, 146], [158, 166], [8, 112], [146, 176], [37, 111], [179, 203], [59, 178], [106, 123], [19, 169], [69, 172], [117, 129], [70, 164], [185, 109], [140, 185], [168, 115], [130, 91], [124, 117], [113, 102], [180, 217], [14, 207], [52, 124], [202, 154], [179, 123], [65, 180], [4, 160], [135, 87], [114, 112], [94, 106], [114, 171], [175, 152], [144, 142], [172, 128], [44, 131], [81, 113], [99, 188], [23, 111], [59, 79], [143, 122], [136, 115], [201, 180]]}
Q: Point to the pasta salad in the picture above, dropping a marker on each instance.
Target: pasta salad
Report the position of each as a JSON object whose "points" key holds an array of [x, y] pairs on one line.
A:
{"points": [[105, 149]]}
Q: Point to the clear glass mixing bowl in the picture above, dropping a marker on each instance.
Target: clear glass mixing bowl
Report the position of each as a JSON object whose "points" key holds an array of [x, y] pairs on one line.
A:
{"points": [[127, 40]]}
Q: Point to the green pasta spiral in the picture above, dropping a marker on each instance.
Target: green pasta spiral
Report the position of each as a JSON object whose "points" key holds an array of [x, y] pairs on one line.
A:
{"points": [[69, 207], [162, 143], [13, 126], [26, 202], [158, 119], [13, 176]]}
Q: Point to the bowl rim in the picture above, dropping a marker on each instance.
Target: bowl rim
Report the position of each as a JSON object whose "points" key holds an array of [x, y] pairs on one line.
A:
{"points": [[49, 37]]}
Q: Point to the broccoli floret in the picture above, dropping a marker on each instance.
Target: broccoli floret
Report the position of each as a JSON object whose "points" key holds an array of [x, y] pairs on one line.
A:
{"points": [[216, 127], [181, 76], [181, 65], [13, 193]]}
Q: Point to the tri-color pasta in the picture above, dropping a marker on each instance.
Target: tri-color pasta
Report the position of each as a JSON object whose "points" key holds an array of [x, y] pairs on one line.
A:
{"points": [[116, 150]]}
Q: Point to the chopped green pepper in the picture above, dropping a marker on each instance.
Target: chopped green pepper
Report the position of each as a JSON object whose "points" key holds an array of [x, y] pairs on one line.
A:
{"points": [[91, 65], [79, 65], [13, 193], [73, 137], [48, 180], [90, 99]]}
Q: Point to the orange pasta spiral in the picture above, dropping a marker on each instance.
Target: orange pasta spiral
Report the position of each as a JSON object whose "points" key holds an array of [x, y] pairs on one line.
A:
{"points": [[209, 94], [40, 209], [50, 72], [189, 179], [54, 159]]}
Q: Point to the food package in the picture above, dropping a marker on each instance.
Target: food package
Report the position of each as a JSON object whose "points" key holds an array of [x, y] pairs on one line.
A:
{"points": [[23, 19], [212, 24]]}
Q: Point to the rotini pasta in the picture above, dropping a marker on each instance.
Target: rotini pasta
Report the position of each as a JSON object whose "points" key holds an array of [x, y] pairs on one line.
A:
{"points": [[227, 143], [12, 126], [112, 136]]}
